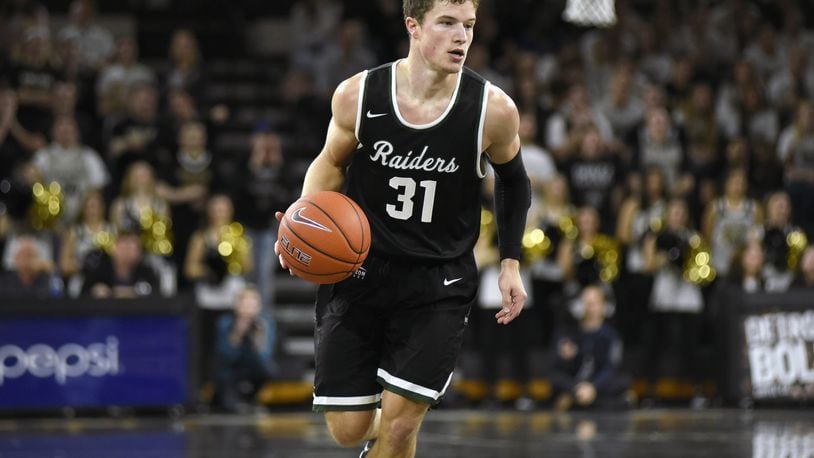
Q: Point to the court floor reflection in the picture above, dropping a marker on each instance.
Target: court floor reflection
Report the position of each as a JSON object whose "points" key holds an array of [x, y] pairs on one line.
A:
{"points": [[446, 433]]}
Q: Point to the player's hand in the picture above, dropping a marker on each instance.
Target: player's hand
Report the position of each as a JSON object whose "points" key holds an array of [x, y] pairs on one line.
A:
{"points": [[512, 291], [283, 264]]}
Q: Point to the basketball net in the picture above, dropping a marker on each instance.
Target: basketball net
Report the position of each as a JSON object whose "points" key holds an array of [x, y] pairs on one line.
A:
{"points": [[598, 13]]}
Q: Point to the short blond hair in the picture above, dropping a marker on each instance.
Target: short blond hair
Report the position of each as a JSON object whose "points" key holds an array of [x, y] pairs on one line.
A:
{"points": [[418, 8]]}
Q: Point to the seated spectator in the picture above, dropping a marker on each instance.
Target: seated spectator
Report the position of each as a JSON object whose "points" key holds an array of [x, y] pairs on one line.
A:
{"points": [[31, 275], [622, 105], [575, 113], [139, 136], [32, 75], [77, 168], [186, 71], [595, 175], [117, 79], [122, 274], [183, 109], [660, 142], [65, 102], [804, 278], [95, 42], [43, 240], [91, 232], [746, 271], [140, 208], [138, 196], [796, 150], [243, 354], [587, 359]]}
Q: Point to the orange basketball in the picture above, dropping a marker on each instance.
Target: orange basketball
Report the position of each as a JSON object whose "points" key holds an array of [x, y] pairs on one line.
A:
{"points": [[324, 237]]}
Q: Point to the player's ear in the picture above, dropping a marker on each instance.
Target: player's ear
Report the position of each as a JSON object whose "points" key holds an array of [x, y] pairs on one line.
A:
{"points": [[412, 26]]}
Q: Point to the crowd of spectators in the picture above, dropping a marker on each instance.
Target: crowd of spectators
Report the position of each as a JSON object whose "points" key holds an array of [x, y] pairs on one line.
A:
{"points": [[688, 125]]}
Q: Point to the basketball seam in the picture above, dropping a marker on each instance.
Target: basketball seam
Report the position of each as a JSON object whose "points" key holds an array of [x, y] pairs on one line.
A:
{"points": [[338, 227], [287, 226], [361, 226], [321, 275]]}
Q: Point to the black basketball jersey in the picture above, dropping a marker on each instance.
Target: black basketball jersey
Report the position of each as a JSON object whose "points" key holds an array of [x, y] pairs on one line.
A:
{"points": [[419, 185]]}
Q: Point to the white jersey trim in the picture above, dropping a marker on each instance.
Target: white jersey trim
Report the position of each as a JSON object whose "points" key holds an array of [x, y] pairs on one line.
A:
{"points": [[359, 103], [347, 400], [412, 387], [478, 157], [395, 102]]}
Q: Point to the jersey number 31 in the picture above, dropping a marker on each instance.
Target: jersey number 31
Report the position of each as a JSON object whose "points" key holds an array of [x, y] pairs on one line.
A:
{"points": [[406, 188]]}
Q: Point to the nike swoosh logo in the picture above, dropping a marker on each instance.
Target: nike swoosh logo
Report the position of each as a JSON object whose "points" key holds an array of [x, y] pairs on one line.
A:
{"points": [[449, 282], [375, 115], [298, 217]]}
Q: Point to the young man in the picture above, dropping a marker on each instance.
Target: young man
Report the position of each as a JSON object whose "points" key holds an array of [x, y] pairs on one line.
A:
{"points": [[406, 143]]}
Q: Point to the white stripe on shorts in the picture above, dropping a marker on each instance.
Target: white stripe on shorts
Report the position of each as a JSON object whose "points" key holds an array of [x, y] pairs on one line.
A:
{"points": [[347, 400], [412, 387]]}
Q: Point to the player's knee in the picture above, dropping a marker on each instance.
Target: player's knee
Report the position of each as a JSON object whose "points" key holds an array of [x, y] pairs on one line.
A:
{"points": [[348, 429], [400, 431], [345, 437]]}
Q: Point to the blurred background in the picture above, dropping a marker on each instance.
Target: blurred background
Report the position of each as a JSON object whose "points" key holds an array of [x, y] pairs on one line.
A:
{"points": [[146, 144]]}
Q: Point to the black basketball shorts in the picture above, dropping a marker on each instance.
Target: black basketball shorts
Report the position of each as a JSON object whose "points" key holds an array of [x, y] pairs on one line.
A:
{"points": [[394, 325]]}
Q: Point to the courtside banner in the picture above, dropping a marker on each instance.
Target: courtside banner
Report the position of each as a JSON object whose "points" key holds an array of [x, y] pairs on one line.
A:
{"points": [[93, 361], [780, 349], [769, 342]]}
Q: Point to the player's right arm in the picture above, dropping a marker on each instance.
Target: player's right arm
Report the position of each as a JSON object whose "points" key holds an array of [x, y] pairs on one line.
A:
{"points": [[327, 171]]}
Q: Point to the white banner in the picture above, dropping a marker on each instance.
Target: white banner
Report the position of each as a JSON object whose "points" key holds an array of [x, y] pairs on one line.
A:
{"points": [[780, 347]]}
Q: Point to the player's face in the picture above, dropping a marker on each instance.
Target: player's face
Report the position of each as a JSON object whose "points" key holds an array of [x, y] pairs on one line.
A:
{"points": [[444, 36]]}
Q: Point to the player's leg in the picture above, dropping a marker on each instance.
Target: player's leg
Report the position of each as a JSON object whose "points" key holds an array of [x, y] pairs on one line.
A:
{"points": [[347, 357], [400, 421], [423, 339], [351, 428]]}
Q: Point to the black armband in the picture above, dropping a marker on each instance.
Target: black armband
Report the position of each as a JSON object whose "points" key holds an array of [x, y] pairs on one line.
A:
{"points": [[512, 201]]}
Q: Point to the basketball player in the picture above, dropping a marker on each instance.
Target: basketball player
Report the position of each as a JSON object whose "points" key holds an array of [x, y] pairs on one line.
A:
{"points": [[406, 143]]}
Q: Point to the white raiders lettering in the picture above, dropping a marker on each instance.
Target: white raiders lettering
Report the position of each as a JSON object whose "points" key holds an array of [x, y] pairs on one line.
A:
{"points": [[382, 151]]}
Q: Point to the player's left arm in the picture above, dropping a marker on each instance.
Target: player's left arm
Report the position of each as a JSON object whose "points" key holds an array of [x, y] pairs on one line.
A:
{"points": [[512, 197]]}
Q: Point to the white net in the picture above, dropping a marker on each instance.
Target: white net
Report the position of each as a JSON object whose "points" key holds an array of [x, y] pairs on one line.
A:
{"points": [[597, 13]]}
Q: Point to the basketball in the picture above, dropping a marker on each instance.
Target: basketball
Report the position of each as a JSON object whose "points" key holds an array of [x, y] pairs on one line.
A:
{"points": [[324, 237]]}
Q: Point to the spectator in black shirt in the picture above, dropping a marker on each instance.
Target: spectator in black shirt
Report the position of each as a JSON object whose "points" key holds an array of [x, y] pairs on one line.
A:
{"points": [[264, 187], [186, 70], [595, 176], [185, 179], [31, 275], [33, 76], [138, 136], [123, 274]]}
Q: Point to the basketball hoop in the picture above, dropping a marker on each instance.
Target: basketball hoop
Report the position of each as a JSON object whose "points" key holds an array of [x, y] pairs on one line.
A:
{"points": [[586, 13]]}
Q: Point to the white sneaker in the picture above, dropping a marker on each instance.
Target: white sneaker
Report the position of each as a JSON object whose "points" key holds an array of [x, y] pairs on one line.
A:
{"points": [[368, 446]]}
